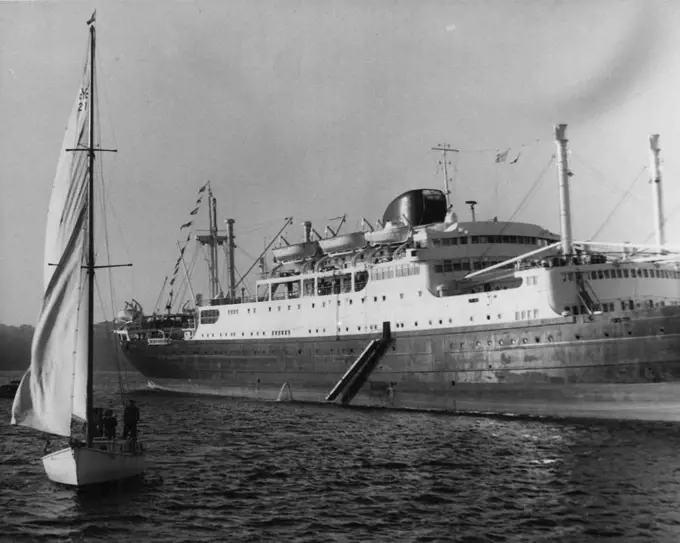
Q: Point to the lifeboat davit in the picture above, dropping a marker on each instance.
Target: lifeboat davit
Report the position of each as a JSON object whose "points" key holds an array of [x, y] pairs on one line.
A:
{"points": [[297, 252], [343, 243], [390, 234]]}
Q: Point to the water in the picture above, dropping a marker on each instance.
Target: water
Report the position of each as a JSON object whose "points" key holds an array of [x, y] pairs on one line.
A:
{"points": [[228, 470]]}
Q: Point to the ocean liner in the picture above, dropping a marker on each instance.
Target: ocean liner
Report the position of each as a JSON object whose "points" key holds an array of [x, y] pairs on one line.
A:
{"points": [[429, 312]]}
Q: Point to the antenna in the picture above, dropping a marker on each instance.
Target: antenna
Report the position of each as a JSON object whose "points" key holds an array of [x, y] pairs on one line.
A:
{"points": [[445, 148], [472, 204]]}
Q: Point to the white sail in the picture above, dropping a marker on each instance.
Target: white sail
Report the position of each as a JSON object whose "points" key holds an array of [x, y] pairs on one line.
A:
{"points": [[69, 190], [53, 390]]}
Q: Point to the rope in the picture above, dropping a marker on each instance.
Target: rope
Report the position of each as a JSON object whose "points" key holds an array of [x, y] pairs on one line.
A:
{"points": [[524, 201], [616, 207]]}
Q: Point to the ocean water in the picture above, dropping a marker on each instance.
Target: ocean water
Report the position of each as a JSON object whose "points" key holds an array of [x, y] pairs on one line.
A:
{"points": [[230, 470]]}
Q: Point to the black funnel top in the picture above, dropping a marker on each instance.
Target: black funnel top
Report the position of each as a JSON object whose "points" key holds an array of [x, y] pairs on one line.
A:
{"points": [[419, 206]]}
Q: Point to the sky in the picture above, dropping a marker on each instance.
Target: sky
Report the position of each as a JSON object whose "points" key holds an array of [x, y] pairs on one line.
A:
{"points": [[317, 109]]}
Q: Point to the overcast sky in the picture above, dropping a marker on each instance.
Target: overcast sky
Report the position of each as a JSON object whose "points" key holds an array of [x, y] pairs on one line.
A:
{"points": [[312, 109]]}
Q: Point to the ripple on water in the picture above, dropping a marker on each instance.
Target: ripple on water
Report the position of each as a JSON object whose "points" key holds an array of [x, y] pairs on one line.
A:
{"points": [[245, 471]]}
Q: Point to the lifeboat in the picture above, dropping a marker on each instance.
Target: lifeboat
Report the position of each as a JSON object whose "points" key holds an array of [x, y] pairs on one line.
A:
{"points": [[390, 234], [294, 253], [343, 243]]}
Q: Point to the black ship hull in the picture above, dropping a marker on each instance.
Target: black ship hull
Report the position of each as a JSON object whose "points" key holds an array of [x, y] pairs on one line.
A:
{"points": [[609, 366]]}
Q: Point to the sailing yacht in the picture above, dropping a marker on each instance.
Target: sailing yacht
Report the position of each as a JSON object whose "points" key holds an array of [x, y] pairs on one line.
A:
{"points": [[57, 389]]}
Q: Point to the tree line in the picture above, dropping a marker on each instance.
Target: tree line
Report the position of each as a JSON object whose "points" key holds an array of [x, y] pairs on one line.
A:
{"points": [[15, 348]]}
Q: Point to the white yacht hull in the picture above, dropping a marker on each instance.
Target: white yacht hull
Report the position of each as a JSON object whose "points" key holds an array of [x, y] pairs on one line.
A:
{"points": [[104, 462]]}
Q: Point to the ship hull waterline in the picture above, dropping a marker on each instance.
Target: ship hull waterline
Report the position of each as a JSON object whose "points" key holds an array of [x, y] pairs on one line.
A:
{"points": [[599, 366]]}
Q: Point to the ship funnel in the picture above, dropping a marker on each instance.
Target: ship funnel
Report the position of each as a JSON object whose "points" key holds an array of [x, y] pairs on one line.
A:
{"points": [[654, 151], [563, 175], [307, 227]]}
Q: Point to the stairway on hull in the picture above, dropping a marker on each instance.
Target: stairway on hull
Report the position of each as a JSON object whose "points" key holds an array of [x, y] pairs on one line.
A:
{"points": [[354, 378]]}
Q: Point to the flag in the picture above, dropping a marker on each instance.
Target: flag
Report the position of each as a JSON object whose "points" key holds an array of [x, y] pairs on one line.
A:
{"points": [[172, 281], [194, 212], [514, 161], [188, 237], [186, 225], [502, 157], [202, 189], [91, 20], [198, 202]]}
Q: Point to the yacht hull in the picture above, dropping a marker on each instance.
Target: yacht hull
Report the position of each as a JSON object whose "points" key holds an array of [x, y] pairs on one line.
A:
{"points": [[104, 462]]}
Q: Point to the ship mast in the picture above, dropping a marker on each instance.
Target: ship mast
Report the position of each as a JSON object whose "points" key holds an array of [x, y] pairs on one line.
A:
{"points": [[90, 256], [564, 175], [445, 148], [213, 239], [231, 264], [654, 150]]}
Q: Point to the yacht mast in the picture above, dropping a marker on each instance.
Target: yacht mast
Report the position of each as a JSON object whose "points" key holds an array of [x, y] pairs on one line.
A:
{"points": [[90, 255]]}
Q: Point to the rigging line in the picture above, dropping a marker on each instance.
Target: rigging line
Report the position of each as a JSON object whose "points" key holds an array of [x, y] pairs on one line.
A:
{"points": [[603, 178], [522, 204], [101, 85], [618, 204], [246, 253], [665, 222], [103, 198], [184, 282], [532, 192], [536, 141], [110, 341]]}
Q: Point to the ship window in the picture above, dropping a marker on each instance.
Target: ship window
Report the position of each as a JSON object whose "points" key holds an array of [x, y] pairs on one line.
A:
{"points": [[308, 287], [263, 292], [632, 273], [210, 316], [593, 275], [625, 273], [606, 274], [436, 242], [447, 266], [644, 273], [463, 240], [438, 268], [360, 280]]}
